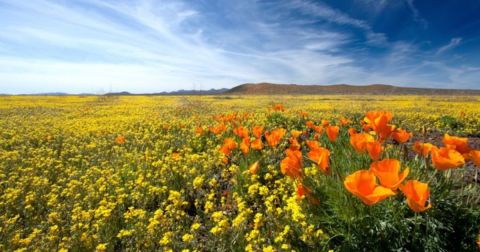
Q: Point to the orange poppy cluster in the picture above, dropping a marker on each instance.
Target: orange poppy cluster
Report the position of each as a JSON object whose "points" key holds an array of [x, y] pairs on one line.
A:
{"points": [[363, 183], [376, 132], [454, 154]]}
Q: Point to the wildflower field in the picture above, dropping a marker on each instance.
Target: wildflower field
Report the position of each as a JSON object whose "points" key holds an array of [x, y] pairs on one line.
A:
{"points": [[239, 173]]}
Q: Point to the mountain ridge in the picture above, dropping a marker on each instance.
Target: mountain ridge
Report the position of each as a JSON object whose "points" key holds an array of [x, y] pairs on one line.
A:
{"points": [[383, 89]]}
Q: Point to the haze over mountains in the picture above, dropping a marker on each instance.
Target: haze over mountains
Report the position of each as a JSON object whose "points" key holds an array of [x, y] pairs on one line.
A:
{"points": [[296, 89]]}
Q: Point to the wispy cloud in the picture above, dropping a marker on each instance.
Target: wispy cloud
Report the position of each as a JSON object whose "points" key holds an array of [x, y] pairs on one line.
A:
{"points": [[416, 14], [454, 42], [147, 46]]}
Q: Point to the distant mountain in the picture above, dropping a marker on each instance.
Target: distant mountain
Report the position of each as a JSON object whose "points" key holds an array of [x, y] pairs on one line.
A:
{"points": [[118, 93], [381, 89], [296, 89], [194, 92], [178, 92]]}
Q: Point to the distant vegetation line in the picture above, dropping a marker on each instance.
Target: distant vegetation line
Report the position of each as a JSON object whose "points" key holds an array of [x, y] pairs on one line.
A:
{"points": [[295, 89]]}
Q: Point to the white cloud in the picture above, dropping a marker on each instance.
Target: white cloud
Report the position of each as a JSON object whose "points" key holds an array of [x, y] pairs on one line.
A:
{"points": [[146, 46], [416, 14], [454, 42]]}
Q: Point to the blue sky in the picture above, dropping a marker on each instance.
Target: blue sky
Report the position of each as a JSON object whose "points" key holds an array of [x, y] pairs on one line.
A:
{"points": [[150, 46]]}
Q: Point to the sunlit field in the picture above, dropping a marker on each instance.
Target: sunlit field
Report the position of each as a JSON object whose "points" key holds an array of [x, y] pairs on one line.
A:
{"points": [[239, 173]]}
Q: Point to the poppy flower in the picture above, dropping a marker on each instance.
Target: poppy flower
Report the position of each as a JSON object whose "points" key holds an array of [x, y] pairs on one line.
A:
{"points": [[218, 129], [257, 144], [228, 145], [352, 131], [417, 194], [325, 122], [294, 144], [401, 136], [475, 156], [318, 129], [292, 164], [241, 131], [278, 107], [374, 149], [312, 145], [344, 121], [245, 145], [378, 122], [309, 124], [321, 157], [304, 191], [120, 140], [363, 184], [445, 158], [377, 119], [176, 155], [423, 149], [199, 131], [296, 133], [388, 172], [460, 144], [359, 141], [303, 114], [275, 136], [254, 168], [332, 132], [257, 131]]}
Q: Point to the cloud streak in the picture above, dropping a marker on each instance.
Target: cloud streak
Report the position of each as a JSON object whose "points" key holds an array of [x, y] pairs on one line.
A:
{"points": [[454, 42]]}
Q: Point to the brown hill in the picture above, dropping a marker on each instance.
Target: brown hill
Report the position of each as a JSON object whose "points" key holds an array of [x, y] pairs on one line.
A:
{"points": [[381, 89]]}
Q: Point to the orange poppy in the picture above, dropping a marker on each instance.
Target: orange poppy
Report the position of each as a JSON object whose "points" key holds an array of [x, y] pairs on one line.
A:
{"points": [[359, 141], [352, 131], [363, 184], [309, 124], [245, 145], [388, 172], [321, 157], [120, 140], [257, 144], [275, 136], [423, 149], [475, 156], [378, 122], [332, 132], [377, 119], [344, 121], [318, 129], [254, 168], [218, 129], [303, 114], [228, 145], [312, 145], [294, 144], [176, 155], [199, 131], [296, 133], [460, 144], [417, 194], [241, 131], [292, 164], [258, 131], [304, 191], [325, 122], [278, 107], [401, 135], [374, 149], [445, 158]]}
